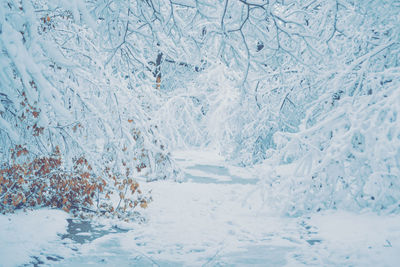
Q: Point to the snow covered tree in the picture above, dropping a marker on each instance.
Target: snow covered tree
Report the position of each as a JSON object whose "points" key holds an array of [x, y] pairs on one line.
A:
{"points": [[309, 85], [290, 83], [62, 101]]}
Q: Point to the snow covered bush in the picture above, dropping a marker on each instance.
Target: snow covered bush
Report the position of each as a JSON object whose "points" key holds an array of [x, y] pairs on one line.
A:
{"points": [[349, 159]]}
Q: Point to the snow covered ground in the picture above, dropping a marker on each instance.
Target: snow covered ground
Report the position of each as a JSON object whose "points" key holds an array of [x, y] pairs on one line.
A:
{"points": [[215, 217], [24, 236]]}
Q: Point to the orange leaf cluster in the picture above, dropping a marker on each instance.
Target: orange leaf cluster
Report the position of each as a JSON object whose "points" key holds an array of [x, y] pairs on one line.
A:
{"points": [[28, 108], [42, 181]]}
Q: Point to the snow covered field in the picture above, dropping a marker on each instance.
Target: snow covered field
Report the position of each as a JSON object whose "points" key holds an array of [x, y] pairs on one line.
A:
{"points": [[214, 218]]}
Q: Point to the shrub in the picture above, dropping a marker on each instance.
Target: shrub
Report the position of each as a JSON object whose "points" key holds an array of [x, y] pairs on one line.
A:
{"points": [[30, 181]]}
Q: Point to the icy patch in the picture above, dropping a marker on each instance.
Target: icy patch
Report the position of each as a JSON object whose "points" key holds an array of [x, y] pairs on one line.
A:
{"points": [[82, 231], [208, 167], [191, 157], [214, 172]]}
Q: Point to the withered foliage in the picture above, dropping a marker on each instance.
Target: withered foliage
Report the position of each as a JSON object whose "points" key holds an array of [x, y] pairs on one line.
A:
{"points": [[44, 182]]}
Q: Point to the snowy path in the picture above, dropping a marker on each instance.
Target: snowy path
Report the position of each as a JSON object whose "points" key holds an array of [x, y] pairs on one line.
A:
{"points": [[212, 219], [203, 221]]}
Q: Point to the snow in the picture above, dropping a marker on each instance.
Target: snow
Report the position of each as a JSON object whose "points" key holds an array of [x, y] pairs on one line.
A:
{"points": [[352, 239], [5, 126], [204, 224], [367, 239], [24, 234], [304, 96], [192, 223]]}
